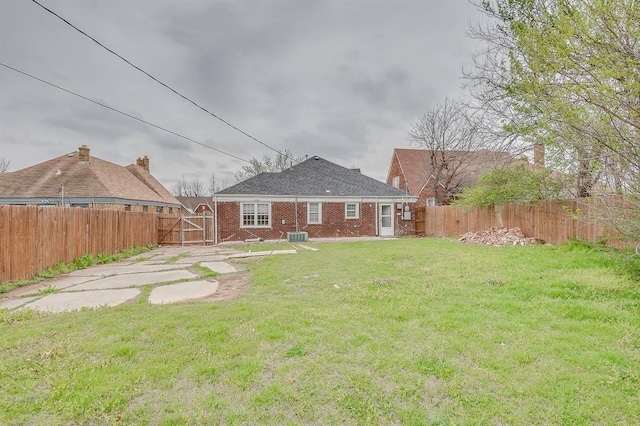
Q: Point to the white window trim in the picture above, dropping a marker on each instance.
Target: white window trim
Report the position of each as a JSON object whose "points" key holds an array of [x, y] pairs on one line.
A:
{"points": [[357, 216], [255, 216], [395, 182], [319, 222]]}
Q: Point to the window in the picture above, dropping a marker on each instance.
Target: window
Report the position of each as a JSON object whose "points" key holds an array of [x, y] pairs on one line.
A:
{"points": [[170, 209], [396, 182], [127, 207], [255, 215], [351, 211], [314, 213], [159, 209], [145, 208], [431, 202]]}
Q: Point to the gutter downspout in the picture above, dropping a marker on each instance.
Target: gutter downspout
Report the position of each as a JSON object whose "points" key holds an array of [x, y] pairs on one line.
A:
{"points": [[377, 220], [215, 220], [297, 224]]}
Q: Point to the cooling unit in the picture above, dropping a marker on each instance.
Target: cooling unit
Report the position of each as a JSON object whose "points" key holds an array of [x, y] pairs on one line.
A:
{"points": [[297, 237]]}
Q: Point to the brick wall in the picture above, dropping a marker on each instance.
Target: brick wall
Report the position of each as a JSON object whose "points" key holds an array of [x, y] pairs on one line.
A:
{"points": [[395, 170], [405, 227], [334, 224]]}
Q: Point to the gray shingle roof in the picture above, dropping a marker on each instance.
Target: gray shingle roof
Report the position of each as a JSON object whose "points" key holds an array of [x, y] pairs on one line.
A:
{"points": [[314, 177]]}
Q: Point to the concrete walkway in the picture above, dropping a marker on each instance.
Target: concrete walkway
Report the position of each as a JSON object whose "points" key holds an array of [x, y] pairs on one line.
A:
{"points": [[167, 269]]}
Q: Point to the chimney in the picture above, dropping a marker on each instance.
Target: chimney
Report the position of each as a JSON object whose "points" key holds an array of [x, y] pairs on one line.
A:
{"points": [[143, 162], [538, 154], [83, 154]]}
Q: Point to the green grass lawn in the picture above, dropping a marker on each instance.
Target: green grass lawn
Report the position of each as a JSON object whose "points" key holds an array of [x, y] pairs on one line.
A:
{"points": [[416, 331]]}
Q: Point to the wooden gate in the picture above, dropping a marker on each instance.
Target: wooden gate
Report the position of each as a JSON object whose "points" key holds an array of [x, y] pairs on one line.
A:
{"points": [[420, 220], [183, 230]]}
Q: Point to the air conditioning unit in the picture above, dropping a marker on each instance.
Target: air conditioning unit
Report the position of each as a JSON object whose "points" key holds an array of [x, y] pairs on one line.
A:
{"points": [[297, 237]]}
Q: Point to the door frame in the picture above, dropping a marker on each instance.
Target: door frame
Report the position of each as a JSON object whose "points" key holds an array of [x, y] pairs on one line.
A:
{"points": [[387, 231]]}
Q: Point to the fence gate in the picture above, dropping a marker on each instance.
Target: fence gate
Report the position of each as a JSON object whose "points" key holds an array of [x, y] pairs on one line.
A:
{"points": [[420, 220], [195, 229]]}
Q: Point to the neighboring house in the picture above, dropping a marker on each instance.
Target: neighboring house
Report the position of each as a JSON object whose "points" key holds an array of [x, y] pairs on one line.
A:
{"points": [[79, 180], [197, 204], [315, 196], [419, 172]]}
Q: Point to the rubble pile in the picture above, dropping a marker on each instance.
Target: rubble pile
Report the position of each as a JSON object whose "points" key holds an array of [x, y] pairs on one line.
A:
{"points": [[498, 237]]}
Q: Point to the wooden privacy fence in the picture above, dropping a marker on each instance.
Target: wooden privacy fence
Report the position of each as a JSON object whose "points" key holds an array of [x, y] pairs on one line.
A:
{"points": [[33, 238], [550, 221]]}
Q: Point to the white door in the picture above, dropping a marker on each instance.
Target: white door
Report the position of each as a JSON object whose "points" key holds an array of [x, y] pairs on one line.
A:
{"points": [[386, 220]]}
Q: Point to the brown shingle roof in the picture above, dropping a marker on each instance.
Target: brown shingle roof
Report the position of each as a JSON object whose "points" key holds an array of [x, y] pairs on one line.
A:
{"points": [[192, 203], [81, 179], [416, 165]]}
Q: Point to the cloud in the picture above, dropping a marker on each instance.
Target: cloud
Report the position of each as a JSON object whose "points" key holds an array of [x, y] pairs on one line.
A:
{"points": [[343, 80]]}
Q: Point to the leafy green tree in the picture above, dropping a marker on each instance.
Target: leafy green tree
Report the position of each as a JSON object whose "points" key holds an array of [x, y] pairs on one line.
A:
{"points": [[511, 184], [566, 72]]}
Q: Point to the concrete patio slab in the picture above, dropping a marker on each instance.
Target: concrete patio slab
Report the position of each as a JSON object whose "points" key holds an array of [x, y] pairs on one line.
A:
{"points": [[307, 247], [260, 253], [62, 302], [183, 291], [219, 267], [105, 271], [14, 303], [134, 280], [171, 254], [190, 260], [66, 281]]}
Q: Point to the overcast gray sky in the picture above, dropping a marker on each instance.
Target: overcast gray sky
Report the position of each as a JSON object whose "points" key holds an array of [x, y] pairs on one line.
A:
{"points": [[342, 79]]}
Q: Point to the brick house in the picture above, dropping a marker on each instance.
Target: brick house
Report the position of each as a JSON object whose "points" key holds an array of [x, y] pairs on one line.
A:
{"points": [[414, 171], [315, 196], [79, 180]]}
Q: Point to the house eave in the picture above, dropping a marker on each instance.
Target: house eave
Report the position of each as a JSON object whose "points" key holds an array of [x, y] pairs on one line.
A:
{"points": [[313, 198], [83, 200]]}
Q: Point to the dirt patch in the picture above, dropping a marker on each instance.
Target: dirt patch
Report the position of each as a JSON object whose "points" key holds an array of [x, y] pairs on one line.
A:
{"points": [[229, 287]]}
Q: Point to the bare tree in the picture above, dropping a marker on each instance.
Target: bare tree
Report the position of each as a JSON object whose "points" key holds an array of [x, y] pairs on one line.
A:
{"points": [[188, 188], [282, 161], [452, 136], [4, 164], [216, 185]]}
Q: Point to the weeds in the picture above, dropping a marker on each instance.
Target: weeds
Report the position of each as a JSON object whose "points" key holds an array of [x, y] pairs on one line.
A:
{"points": [[81, 262], [204, 271], [177, 257], [43, 291]]}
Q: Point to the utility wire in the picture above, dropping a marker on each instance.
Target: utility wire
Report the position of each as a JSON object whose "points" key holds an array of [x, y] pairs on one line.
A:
{"points": [[123, 113], [157, 80], [311, 165], [167, 87]]}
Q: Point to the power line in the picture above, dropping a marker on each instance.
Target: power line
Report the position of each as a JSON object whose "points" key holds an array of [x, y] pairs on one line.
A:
{"points": [[123, 113], [320, 171], [157, 80], [167, 87]]}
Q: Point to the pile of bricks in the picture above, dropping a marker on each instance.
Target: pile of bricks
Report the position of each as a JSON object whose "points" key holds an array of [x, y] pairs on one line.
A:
{"points": [[498, 237]]}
